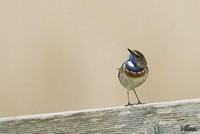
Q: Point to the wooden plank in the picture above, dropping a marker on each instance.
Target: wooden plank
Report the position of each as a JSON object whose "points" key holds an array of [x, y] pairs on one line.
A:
{"points": [[177, 117]]}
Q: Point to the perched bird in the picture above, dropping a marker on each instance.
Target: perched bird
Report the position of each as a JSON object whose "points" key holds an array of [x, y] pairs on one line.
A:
{"points": [[133, 72]]}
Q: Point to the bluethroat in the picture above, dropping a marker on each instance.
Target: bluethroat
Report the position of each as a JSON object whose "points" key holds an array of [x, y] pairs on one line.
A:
{"points": [[133, 72]]}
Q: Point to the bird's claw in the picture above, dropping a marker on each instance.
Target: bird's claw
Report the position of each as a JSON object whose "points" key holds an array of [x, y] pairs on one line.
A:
{"points": [[129, 104], [138, 103]]}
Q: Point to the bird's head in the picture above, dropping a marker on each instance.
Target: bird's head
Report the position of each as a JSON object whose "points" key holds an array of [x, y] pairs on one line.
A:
{"points": [[137, 58]]}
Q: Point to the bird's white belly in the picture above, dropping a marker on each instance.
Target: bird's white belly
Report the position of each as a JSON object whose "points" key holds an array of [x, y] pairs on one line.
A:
{"points": [[131, 83]]}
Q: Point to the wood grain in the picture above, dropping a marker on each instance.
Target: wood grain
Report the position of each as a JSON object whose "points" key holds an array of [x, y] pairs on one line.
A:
{"points": [[177, 117]]}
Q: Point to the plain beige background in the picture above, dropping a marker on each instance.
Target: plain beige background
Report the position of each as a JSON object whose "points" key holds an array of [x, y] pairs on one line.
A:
{"points": [[61, 55]]}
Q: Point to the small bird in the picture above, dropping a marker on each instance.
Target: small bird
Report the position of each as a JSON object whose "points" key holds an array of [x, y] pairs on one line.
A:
{"points": [[133, 72]]}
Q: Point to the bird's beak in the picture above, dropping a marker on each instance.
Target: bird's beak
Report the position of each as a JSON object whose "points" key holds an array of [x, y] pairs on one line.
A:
{"points": [[132, 52]]}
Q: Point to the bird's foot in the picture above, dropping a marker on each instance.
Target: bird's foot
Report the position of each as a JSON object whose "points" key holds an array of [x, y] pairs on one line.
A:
{"points": [[139, 102], [129, 104]]}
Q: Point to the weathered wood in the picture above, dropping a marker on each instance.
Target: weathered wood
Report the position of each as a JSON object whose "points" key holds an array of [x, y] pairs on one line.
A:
{"points": [[177, 117]]}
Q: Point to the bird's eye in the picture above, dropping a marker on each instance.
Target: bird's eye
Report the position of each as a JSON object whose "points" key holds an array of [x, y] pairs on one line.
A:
{"points": [[137, 56]]}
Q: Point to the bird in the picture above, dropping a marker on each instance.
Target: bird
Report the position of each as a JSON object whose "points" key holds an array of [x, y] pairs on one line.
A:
{"points": [[133, 72]]}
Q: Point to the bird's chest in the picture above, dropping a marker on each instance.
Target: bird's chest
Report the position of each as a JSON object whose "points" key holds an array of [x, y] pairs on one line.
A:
{"points": [[130, 80]]}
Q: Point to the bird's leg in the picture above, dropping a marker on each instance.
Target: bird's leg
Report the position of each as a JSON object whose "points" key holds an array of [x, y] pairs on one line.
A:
{"points": [[129, 104], [139, 102]]}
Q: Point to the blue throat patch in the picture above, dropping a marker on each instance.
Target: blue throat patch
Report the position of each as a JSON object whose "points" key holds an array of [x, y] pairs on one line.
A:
{"points": [[131, 64], [133, 68]]}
